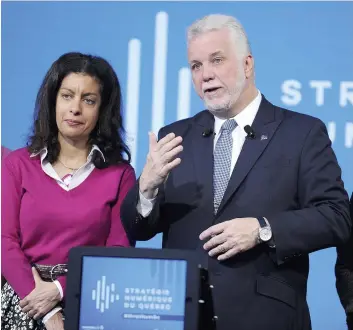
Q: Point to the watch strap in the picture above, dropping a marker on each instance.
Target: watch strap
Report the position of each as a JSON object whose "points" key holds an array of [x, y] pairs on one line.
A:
{"points": [[262, 222]]}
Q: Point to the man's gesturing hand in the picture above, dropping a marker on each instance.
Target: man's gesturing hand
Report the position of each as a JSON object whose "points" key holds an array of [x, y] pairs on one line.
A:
{"points": [[161, 159]]}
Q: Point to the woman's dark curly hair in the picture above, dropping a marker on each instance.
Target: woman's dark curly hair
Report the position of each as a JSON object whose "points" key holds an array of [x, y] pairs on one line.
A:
{"points": [[109, 131]]}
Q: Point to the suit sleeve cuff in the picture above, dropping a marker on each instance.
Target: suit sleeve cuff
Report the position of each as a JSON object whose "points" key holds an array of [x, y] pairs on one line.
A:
{"points": [[51, 313], [58, 285]]}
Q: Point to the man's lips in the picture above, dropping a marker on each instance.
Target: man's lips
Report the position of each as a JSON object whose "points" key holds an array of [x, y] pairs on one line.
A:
{"points": [[211, 89]]}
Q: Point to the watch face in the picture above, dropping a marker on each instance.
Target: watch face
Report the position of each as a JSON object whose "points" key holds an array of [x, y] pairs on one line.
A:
{"points": [[265, 234]]}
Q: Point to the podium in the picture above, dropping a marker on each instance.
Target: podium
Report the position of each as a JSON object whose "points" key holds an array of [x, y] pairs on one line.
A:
{"points": [[137, 289]]}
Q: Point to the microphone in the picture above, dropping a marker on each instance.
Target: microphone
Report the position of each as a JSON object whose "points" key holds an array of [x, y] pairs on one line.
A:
{"points": [[249, 132], [207, 132]]}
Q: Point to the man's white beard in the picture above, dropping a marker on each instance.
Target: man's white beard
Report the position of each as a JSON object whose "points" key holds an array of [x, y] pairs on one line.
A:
{"points": [[230, 99]]}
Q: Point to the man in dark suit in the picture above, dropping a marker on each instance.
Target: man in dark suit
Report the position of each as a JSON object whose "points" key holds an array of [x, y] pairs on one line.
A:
{"points": [[344, 276], [251, 187]]}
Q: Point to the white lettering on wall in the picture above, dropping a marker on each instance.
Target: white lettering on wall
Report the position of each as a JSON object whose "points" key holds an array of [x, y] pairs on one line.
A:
{"points": [[291, 91], [349, 135], [346, 93], [320, 86]]}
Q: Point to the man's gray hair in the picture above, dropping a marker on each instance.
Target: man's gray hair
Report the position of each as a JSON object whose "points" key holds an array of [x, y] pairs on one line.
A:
{"points": [[216, 22]]}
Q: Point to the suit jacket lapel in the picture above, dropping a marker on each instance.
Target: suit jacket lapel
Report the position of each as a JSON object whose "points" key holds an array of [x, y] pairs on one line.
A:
{"points": [[264, 126], [202, 149]]}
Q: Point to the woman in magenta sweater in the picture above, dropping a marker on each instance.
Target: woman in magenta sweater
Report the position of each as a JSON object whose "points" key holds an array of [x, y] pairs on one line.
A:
{"points": [[63, 190]]}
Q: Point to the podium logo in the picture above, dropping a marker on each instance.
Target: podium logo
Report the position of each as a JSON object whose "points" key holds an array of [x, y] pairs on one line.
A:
{"points": [[104, 295]]}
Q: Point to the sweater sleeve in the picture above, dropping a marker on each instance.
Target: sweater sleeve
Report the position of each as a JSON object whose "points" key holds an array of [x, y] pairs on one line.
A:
{"points": [[16, 268], [117, 235]]}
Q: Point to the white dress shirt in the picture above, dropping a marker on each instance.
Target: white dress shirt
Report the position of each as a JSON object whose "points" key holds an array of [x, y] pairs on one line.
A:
{"points": [[79, 175], [245, 117]]}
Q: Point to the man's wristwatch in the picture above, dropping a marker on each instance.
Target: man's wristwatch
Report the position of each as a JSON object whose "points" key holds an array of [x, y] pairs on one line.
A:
{"points": [[265, 232]]}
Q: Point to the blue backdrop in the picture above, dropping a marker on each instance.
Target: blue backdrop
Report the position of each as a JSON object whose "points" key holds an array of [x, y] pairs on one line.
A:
{"points": [[303, 54]]}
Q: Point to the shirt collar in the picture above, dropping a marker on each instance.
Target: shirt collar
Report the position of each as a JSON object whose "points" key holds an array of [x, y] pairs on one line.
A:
{"points": [[245, 117], [43, 153]]}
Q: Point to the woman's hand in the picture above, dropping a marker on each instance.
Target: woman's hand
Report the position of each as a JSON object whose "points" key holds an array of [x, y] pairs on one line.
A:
{"points": [[42, 299]]}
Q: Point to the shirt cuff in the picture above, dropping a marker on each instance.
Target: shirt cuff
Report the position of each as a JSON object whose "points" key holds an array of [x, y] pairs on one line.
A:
{"points": [[144, 205], [58, 285], [51, 313]]}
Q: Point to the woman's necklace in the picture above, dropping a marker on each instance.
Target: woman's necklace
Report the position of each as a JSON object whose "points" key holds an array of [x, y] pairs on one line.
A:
{"points": [[69, 168]]}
